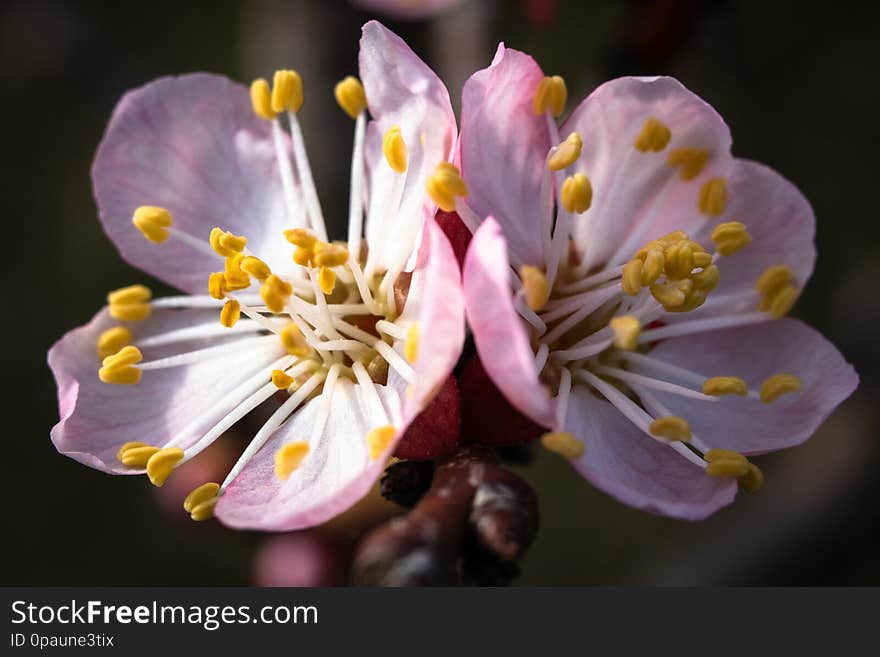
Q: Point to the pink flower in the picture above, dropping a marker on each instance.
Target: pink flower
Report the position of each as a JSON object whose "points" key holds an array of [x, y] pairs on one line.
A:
{"points": [[357, 337], [628, 288]]}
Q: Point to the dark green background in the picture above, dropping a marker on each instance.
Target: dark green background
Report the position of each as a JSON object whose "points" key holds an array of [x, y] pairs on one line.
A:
{"points": [[796, 82]]}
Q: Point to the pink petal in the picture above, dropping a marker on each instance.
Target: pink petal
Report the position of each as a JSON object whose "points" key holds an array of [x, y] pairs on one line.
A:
{"points": [[497, 327], [630, 187], [436, 303], [403, 91], [335, 474], [636, 469], [182, 402], [755, 353], [193, 145], [503, 148], [782, 225]]}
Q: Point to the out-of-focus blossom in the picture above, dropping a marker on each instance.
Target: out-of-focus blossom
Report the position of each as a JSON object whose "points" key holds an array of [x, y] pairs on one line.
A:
{"points": [[407, 10], [628, 281], [304, 558], [359, 336]]}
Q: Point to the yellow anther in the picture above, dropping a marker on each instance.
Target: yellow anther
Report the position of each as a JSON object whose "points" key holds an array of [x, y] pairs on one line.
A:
{"points": [[205, 510], [753, 480], [631, 278], [707, 279], [719, 386], [444, 185], [281, 379], [727, 468], [215, 237], [289, 458], [718, 454], [535, 285], [330, 255], [566, 153], [327, 280], [129, 295], [302, 257], [378, 440], [626, 332], [236, 280], [199, 495], [128, 355], [233, 263], [130, 312], [564, 444], [235, 243], [302, 237], [279, 284], [652, 267], [774, 279], [411, 349], [350, 95], [217, 285], [679, 261], [230, 313], [135, 454], [255, 267], [689, 160], [783, 301], [730, 237], [653, 137], [671, 428], [550, 96], [713, 197], [778, 385], [153, 222], [112, 340], [577, 193], [673, 238], [702, 259], [261, 99], [162, 463], [287, 91], [294, 341], [119, 368], [394, 149], [274, 293], [673, 294]]}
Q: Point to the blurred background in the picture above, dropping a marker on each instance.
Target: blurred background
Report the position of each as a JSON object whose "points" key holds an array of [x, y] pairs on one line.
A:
{"points": [[795, 81]]}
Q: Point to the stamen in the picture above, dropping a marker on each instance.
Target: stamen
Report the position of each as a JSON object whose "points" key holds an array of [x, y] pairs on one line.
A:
{"points": [[631, 279], [671, 428], [396, 361], [281, 379], [304, 172], [411, 349], [753, 480], [535, 285], [564, 444], [778, 385], [689, 160], [356, 190], [261, 99], [576, 194], [200, 502], [725, 385], [274, 293], [394, 149], [287, 91], [550, 96], [161, 464], [289, 458], [301, 237], [774, 279], [153, 222], [350, 95], [378, 440], [626, 332], [230, 313], [294, 342], [330, 255], [701, 325], [112, 340], [727, 468], [713, 197], [119, 368], [566, 153], [135, 454], [648, 382], [327, 280], [654, 136], [217, 285], [295, 210], [130, 304], [730, 237], [782, 302], [444, 185], [208, 352]]}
